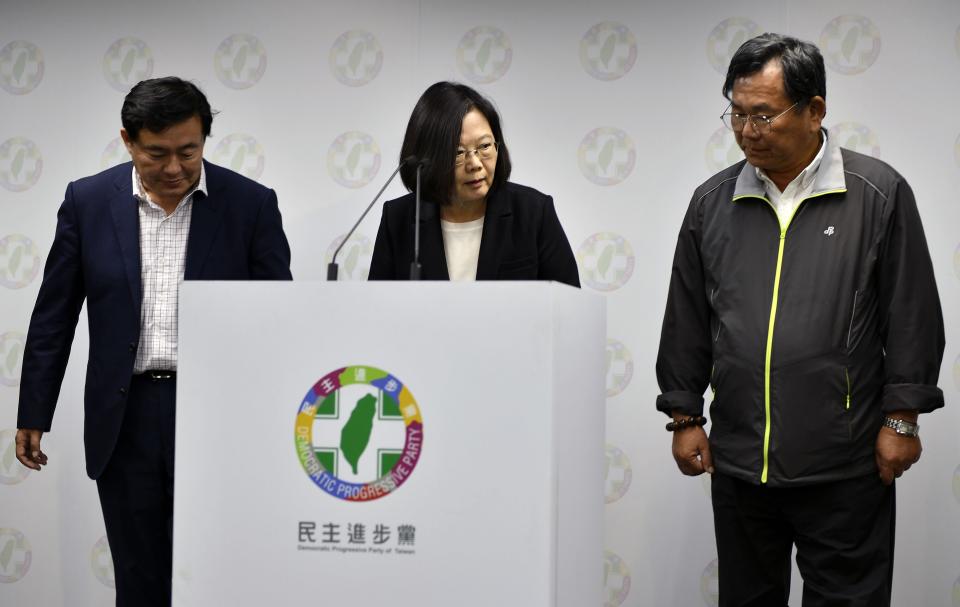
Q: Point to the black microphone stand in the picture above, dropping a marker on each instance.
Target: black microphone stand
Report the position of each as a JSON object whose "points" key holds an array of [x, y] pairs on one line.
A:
{"points": [[415, 266]]}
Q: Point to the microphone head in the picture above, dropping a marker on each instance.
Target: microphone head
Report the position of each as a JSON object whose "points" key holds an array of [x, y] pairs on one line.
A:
{"points": [[413, 161]]}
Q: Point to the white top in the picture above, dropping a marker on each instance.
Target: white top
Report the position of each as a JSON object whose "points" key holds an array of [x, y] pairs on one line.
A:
{"points": [[461, 244], [786, 202], [163, 254]]}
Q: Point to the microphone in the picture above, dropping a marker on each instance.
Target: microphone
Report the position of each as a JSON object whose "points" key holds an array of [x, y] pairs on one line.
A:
{"points": [[415, 267], [332, 268]]}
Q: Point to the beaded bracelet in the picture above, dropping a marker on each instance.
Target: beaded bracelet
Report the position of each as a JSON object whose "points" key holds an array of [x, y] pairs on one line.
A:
{"points": [[687, 422]]}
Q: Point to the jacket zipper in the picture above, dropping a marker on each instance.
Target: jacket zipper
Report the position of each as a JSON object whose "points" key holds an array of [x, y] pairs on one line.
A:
{"points": [[773, 317], [852, 315]]}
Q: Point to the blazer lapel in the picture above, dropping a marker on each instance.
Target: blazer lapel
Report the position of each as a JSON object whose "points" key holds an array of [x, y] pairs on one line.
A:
{"points": [[433, 258], [496, 223], [205, 220], [126, 223]]}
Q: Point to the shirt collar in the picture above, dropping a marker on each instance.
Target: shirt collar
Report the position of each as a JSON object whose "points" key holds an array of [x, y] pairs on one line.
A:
{"points": [[807, 175], [827, 174]]}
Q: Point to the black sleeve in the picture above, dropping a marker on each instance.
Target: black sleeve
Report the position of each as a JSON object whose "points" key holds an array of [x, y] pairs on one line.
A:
{"points": [[381, 264], [555, 257]]}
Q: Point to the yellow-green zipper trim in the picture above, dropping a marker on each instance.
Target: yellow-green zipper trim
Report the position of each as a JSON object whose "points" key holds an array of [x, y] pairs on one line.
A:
{"points": [[847, 376]]}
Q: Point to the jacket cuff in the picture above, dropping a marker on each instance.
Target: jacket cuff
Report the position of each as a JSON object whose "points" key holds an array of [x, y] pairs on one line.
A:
{"points": [[918, 397], [687, 403]]}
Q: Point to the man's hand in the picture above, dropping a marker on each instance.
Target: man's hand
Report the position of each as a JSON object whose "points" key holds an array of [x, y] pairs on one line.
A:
{"points": [[28, 448], [895, 454], [692, 450]]}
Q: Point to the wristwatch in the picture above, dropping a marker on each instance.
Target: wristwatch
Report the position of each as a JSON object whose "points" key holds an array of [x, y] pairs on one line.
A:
{"points": [[902, 427]]}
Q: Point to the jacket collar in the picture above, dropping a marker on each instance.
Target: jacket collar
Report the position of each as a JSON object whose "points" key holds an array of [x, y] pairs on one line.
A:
{"points": [[829, 178]]}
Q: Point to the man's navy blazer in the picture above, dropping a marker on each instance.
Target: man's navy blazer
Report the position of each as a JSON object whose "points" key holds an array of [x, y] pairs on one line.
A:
{"points": [[235, 234], [522, 239]]}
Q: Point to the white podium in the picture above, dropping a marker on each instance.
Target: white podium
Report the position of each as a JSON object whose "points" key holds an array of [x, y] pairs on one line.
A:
{"points": [[374, 444]]}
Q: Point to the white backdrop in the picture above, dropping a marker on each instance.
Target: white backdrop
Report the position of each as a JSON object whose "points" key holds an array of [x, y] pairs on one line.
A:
{"points": [[611, 106]]}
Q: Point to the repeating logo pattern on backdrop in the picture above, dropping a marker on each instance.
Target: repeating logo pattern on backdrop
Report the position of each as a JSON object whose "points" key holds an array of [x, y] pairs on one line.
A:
{"points": [[15, 555], [484, 54], [710, 584], [21, 67], [19, 261], [114, 154], [724, 40], [11, 357], [240, 61], [241, 153], [354, 258], [608, 50], [20, 164], [356, 58], [618, 474], [127, 62], [619, 367], [353, 159], [722, 150], [359, 433], [606, 261], [850, 44], [616, 580], [11, 470], [101, 563], [606, 156], [857, 137]]}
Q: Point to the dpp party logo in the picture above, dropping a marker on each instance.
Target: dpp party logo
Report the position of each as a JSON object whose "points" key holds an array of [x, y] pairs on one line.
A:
{"points": [[606, 156], [850, 44], [618, 474], [19, 261], [857, 137], [724, 40], [616, 580], [11, 357], [710, 584], [115, 153], [11, 470], [20, 164], [127, 62], [619, 367], [484, 54], [242, 153], [359, 433], [354, 258], [606, 261], [101, 563], [15, 555], [240, 61], [608, 51], [21, 67], [353, 159], [722, 150], [355, 58]]}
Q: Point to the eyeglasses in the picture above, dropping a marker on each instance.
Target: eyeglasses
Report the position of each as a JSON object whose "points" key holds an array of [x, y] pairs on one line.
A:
{"points": [[735, 121], [483, 151]]}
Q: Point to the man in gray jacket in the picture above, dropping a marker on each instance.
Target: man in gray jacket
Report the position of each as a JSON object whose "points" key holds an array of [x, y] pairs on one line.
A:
{"points": [[803, 293]]}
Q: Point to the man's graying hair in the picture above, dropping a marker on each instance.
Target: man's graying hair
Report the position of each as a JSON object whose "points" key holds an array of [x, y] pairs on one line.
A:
{"points": [[804, 76]]}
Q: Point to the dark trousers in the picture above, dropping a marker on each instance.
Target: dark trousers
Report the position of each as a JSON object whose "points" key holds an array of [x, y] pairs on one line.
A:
{"points": [[136, 495], [843, 531]]}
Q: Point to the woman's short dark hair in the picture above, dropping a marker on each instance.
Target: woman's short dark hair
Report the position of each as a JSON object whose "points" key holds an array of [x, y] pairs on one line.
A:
{"points": [[804, 76], [160, 103], [433, 135]]}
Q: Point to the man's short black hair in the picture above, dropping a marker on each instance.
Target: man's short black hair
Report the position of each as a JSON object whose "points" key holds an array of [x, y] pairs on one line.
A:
{"points": [[160, 103], [433, 134], [804, 76]]}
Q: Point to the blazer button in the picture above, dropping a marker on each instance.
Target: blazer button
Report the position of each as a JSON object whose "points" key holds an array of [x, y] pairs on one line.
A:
{"points": [[123, 390], [133, 347]]}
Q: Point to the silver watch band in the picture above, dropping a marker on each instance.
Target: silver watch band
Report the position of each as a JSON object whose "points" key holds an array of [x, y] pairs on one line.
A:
{"points": [[902, 426]]}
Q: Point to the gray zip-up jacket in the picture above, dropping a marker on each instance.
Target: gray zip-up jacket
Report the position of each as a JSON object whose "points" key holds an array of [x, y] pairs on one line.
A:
{"points": [[807, 333]]}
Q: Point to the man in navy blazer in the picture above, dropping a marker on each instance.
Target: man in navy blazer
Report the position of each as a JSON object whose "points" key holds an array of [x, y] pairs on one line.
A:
{"points": [[125, 238]]}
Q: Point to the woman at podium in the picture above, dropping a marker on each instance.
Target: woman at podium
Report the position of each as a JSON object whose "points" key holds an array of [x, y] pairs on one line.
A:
{"points": [[474, 223]]}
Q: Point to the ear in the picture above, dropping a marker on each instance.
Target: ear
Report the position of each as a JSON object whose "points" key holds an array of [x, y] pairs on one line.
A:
{"points": [[817, 108], [127, 140]]}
